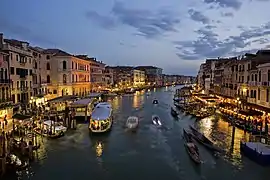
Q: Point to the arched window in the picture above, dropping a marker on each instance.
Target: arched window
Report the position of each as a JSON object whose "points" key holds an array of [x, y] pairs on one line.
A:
{"points": [[64, 78], [64, 65], [48, 66], [48, 79]]}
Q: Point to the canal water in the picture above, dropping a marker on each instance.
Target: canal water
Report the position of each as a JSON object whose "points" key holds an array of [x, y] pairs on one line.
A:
{"points": [[150, 153]]}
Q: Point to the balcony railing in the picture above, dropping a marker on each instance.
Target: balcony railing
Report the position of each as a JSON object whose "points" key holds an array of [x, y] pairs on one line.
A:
{"points": [[5, 81], [252, 100], [253, 83]]}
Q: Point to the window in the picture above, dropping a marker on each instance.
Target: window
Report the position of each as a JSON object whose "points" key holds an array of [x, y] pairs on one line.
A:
{"points": [[17, 58], [48, 79], [248, 66], [259, 94], [26, 84], [268, 75], [64, 78], [64, 65], [11, 56], [72, 77], [256, 77], [247, 78], [267, 95], [47, 57], [260, 76], [54, 91], [48, 66], [18, 84], [72, 65]]}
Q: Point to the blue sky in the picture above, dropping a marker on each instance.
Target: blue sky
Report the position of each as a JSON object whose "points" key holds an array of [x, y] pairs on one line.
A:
{"points": [[176, 35]]}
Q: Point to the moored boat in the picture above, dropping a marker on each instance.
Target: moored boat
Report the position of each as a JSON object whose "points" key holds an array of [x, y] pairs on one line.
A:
{"points": [[174, 113], [256, 151], [204, 140], [101, 119], [156, 120], [132, 122], [51, 129], [191, 148]]}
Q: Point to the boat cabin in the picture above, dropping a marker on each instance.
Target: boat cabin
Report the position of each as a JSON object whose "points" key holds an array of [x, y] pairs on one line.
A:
{"points": [[101, 117], [83, 107]]}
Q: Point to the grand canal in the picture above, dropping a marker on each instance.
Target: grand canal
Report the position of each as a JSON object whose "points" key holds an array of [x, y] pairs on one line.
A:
{"points": [[150, 153]]}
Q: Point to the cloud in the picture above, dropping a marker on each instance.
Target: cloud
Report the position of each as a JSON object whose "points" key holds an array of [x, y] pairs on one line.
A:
{"points": [[209, 45], [198, 16], [147, 23], [227, 14], [23, 32], [235, 4], [103, 21]]}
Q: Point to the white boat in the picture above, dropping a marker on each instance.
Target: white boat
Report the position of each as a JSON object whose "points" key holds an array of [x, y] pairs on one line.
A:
{"points": [[156, 120], [56, 127], [101, 118], [132, 122]]}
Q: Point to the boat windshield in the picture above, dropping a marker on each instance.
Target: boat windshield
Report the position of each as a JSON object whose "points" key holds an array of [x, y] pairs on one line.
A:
{"points": [[133, 120]]}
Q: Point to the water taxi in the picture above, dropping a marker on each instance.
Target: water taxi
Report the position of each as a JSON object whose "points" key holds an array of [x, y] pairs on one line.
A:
{"points": [[101, 118]]}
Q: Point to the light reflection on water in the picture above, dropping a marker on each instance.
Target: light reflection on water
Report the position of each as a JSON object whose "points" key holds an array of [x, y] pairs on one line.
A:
{"points": [[220, 132]]}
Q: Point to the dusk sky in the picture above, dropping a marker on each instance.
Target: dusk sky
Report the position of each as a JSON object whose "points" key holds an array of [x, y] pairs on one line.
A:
{"points": [[176, 35]]}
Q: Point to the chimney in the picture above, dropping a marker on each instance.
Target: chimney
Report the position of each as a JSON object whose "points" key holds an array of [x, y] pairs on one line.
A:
{"points": [[1, 41]]}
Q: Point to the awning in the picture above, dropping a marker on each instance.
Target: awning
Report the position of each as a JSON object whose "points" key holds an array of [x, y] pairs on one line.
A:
{"points": [[20, 116]]}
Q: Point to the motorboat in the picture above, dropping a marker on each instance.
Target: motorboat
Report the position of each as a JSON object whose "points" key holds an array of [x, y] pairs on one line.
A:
{"points": [[204, 140], [156, 120], [155, 101], [101, 119], [174, 113], [192, 149], [132, 122]]}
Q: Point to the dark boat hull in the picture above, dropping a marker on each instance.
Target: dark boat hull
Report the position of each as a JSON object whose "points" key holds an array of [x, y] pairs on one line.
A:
{"points": [[204, 140], [193, 153]]}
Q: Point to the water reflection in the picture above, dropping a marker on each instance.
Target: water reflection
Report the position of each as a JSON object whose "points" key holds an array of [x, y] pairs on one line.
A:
{"points": [[99, 149], [136, 100], [225, 136]]}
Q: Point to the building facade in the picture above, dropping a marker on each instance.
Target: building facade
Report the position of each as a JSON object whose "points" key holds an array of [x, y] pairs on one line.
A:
{"points": [[21, 69], [68, 74], [153, 75], [109, 81], [138, 78]]}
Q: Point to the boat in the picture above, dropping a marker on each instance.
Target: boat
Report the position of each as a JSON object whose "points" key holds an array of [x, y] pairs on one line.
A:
{"points": [[51, 129], [174, 113], [101, 118], [156, 120], [132, 122], [256, 151], [155, 101], [191, 148], [204, 140]]}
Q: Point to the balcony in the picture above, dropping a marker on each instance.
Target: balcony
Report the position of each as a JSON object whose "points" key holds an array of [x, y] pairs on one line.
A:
{"points": [[5, 81], [23, 89], [251, 100], [253, 83]]}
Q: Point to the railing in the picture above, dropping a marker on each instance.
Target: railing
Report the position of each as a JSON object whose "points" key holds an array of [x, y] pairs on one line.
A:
{"points": [[252, 100], [253, 83], [5, 81]]}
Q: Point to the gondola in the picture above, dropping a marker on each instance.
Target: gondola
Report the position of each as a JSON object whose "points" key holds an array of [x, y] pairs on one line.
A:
{"points": [[174, 113], [204, 140], [191, 148]]}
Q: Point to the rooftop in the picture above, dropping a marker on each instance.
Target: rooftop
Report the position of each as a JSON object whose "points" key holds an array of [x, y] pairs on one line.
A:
{"points": [[102, 111]]}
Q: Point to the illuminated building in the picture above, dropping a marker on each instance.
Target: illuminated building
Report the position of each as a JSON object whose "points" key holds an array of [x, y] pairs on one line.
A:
{"points": [[69, 75], [38, 70], [109, 81], [122, 76], [138, 77], [21, 69], [5, 104], [153, 74], [97, 77]]}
